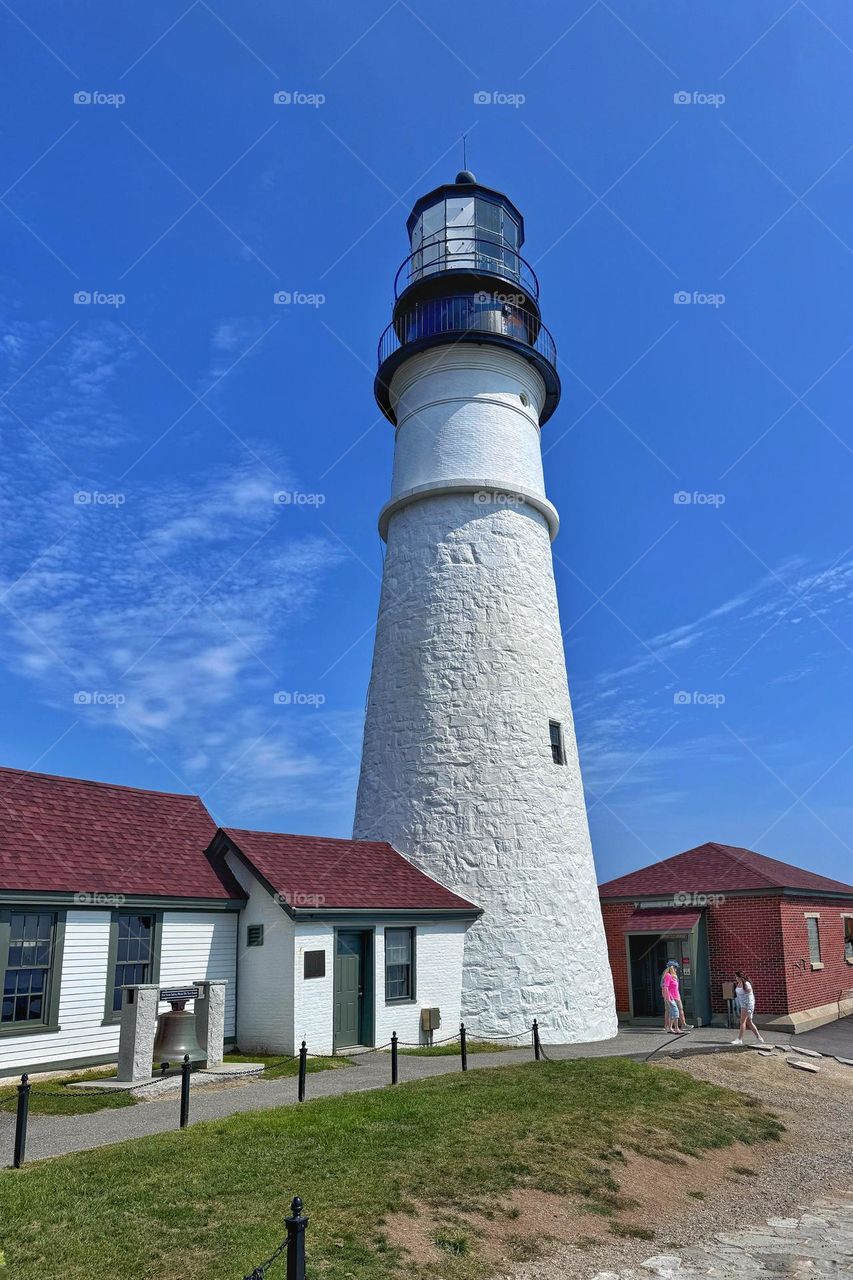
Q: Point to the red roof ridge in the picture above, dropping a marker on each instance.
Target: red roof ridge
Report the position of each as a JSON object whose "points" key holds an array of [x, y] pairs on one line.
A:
{"points": [[94, 782], [729, 868], [296, 835]]}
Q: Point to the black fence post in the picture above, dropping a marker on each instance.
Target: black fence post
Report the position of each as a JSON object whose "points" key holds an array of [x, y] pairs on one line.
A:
{"points": [[21, 1121], [303, 1067], [186, 1067], [463, 1045], [394, 1057], [537, 1048], [296, 1225]]}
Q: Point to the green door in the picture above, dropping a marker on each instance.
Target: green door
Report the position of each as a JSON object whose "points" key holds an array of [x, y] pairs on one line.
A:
{"points": [[349, 989]]}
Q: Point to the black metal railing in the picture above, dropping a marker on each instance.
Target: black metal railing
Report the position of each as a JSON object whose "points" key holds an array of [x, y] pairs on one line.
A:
{"points": [[461, 252], [467, 314]]}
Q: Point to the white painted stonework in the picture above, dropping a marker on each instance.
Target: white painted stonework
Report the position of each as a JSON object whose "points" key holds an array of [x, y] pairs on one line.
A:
{"points": [[468, 669]]}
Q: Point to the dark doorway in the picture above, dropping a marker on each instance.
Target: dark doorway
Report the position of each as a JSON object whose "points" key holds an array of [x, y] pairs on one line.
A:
{"points": [[649, 954], [352, 955]]}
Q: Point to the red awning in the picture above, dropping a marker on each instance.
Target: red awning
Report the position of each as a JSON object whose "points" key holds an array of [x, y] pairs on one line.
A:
{"points": [[661, 921]]}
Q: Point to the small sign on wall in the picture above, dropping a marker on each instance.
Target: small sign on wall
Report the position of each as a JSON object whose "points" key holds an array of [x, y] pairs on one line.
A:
{"points": [[315, 964]]}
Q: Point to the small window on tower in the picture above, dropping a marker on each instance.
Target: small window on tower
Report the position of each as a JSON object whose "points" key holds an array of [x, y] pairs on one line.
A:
{"points": [[555, 730]]}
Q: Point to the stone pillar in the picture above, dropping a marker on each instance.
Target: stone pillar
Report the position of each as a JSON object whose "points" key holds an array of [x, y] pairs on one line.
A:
{"points": [[210, 1018], [138, 1027]]}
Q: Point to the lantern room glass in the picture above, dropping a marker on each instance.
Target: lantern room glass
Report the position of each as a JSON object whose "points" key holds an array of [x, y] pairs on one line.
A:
{"points": [[467, 233]]}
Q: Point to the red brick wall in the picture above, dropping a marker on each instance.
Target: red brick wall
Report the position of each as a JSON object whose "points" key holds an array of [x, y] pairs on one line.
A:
{"points": [[808, 987], [746, 934], [615, 914]]}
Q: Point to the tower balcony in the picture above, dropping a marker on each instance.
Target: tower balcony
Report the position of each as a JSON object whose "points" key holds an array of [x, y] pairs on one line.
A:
{"points": [[482, 317]]}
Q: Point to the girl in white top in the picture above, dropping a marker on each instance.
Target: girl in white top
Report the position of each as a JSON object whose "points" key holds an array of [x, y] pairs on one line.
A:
{"points": [[745, 1005]]}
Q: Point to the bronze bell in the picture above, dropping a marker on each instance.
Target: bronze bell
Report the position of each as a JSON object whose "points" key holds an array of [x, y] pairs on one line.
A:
{"points": [[176, 1037]]}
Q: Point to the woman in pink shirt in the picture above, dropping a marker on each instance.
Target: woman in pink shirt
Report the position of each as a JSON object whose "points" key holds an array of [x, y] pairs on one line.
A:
{"points": [[670, 996]]}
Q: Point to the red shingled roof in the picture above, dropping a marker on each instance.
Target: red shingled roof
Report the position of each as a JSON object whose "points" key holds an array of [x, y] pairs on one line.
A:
{"points": [[313, 871], [718, 868], [69, 835]]}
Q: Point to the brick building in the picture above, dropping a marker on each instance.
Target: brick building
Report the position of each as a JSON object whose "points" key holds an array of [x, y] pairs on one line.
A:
{"points": [[717, 908]]}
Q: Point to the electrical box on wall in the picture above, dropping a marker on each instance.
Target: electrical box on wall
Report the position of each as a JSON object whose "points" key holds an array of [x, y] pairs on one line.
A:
{"points": [[430, 1019]]}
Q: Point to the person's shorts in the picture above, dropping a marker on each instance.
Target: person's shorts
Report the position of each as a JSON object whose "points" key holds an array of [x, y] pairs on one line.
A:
{"points": [[746, 1008], [673, 1008]]}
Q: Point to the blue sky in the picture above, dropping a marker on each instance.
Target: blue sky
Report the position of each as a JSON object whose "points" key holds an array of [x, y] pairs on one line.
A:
{"points": [[155, 597]]}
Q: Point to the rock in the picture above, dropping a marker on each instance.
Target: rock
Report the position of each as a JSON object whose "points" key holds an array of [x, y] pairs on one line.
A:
{"points": [[783, 1224], [845, 1062], [766, 1053], [664, 1264], [809, 1053], [803, 1066]]}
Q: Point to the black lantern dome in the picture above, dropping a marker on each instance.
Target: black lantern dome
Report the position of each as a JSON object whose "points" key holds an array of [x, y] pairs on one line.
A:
{"points": [[466, 281]]}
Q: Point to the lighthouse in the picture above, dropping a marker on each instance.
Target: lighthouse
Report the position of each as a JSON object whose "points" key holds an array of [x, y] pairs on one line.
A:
{"points": [[469, 765]]}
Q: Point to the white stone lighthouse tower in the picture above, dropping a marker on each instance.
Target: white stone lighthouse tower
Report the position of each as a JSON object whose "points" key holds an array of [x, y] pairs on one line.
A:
{"points": [[470, 766]]}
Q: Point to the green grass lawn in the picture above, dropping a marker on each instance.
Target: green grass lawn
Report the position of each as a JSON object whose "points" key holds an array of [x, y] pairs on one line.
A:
{"points": [[452, 1048], [208, 1203], [276, 1066], [53, 1098]]}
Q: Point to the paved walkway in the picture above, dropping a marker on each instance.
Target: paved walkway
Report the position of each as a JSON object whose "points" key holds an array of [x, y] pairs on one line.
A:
{"points": [[835, 1038], [58, 1135], [818, 1242]]}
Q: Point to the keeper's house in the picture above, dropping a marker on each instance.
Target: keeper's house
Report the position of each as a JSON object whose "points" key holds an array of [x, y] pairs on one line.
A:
{"points": [[337, 942], [718, 908]]}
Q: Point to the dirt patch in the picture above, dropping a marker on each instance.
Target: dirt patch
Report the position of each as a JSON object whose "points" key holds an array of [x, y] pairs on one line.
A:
{"points": [[536, 1224], [661, 1205]]}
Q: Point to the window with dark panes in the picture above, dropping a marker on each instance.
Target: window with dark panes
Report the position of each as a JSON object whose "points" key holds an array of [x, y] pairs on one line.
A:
{"points": [[27, 977], [399, 964], [134, 953], [555, 731]]}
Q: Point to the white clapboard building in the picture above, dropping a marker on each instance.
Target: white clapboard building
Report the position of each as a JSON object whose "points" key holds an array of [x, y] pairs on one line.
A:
{"points": [[101, 886]]}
